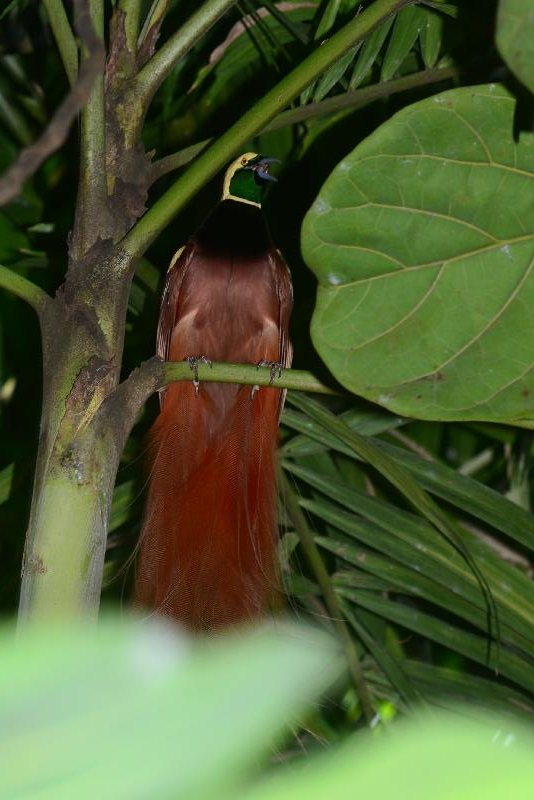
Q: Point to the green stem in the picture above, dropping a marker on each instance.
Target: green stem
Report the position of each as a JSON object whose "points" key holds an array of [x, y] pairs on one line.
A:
{"points": [[244, 374], [311, 551], [132, 11], [332, 105], [154, 17], [278, 98], [24, 289], [64, 37], [92, 196], [156, 70]]}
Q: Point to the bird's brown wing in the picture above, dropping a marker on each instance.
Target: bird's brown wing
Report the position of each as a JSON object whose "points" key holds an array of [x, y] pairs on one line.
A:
{"points": [[170, 301]]}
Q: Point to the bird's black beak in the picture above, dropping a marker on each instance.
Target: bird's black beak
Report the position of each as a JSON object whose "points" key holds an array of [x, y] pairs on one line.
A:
{"points": [[262, 168]]}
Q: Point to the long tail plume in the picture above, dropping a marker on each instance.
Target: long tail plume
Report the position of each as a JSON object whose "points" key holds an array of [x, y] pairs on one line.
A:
{"points": [[208, 543]]}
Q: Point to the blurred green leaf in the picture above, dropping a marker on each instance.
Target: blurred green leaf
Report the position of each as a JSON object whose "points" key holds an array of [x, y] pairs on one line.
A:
{"points": [[444, 757], [12, 240], [136, 710]]}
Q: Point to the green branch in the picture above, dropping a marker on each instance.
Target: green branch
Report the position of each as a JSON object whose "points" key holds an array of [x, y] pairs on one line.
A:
{"points": [[92, 192], [125, 402], [93, 121], [23, 288], [153, 20], [156, 70], [132, 11], [64, 37], [244, 374], [349, 101], [277, 99]]}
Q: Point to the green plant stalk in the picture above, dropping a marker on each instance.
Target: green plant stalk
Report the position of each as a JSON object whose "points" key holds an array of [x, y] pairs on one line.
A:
{"points": [[155, 15], [313, 556], [79, 447], [64, 37], [132, 10], [23, 288], [92, 192], [79, 453], [277, 99], [73, 486]]}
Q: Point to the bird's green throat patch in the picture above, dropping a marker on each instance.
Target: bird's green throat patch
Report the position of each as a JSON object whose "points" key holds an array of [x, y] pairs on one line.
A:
{"points": [[245, 179]]}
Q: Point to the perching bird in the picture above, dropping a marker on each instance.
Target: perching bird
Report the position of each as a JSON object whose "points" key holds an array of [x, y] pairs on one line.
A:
{"points": [[208, 541]]}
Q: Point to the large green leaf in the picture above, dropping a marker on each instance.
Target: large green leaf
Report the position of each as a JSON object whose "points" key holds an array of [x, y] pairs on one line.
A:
{"points": [[423, 243], [515, 38]]}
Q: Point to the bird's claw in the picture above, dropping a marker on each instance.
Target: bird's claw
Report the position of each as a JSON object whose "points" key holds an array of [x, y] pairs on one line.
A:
{"points": [[275, 367], [193, 362]]}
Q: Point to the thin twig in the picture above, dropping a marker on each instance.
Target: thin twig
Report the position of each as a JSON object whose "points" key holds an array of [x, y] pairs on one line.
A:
{"points": [[56, 132]]}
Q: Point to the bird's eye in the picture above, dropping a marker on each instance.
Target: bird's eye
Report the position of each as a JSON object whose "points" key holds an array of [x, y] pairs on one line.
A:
{"points": [[244, 162]]}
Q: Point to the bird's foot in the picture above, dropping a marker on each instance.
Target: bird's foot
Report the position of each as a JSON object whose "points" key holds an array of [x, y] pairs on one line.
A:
{"points": [[193, 362], [275, 366]]}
